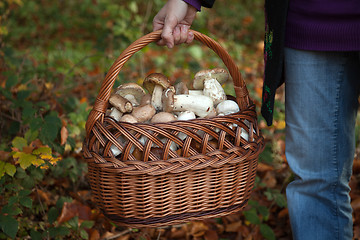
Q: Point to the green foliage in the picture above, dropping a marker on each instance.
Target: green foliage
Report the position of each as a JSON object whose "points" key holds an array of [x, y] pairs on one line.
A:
{"points": [[53, 56]]}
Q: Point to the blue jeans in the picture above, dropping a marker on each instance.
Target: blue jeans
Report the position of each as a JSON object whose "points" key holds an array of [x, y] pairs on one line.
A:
{"points": [[321, 102]]}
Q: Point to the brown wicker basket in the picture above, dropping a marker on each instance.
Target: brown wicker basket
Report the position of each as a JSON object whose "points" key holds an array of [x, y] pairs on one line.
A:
{"points": [[200, 181]]}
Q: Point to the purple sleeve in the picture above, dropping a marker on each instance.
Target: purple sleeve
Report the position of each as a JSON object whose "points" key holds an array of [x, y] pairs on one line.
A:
{"points": [[195, 3]]}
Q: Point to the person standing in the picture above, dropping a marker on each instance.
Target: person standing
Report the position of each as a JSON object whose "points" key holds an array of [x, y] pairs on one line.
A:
{"points": [[314, 47]]}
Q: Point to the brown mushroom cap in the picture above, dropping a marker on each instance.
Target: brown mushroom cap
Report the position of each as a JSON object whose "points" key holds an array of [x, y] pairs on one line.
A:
{"points": [[181, 88], [128, 118], [131, 89], [163, 117], [143, 113], [146, 99], [220, 74], [154, 79]]}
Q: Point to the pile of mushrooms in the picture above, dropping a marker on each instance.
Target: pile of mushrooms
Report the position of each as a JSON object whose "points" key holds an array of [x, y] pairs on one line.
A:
{"points": [[158, 101]]}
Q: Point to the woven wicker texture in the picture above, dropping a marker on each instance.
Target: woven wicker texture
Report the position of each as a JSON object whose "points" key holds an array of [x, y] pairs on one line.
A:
{"points": [[149, 185]]}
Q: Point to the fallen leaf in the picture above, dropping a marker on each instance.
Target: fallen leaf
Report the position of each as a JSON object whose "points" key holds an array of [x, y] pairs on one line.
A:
{"points": [[211, 235], [72, 209], [64, 135], [355, 204], [264, 167], [270, 180], [94, 234], [233, 227]]}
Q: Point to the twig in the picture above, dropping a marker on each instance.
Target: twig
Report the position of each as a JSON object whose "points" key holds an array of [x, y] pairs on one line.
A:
{"points": [[117, 235], [79, 62], [158, 237]]}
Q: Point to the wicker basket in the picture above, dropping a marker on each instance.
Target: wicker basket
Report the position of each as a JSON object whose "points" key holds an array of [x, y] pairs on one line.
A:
{"points": [[200, 181]]}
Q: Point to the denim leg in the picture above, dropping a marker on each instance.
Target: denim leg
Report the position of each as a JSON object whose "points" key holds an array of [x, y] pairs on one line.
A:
{"points": [[321, 102]]}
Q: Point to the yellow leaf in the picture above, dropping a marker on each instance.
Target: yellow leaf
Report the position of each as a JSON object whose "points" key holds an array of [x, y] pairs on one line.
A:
{"points": [[281, 125], [38, 162], [42, 151]]}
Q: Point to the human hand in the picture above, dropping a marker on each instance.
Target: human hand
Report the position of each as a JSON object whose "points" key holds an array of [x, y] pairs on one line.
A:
{"points": [[175, 18]]}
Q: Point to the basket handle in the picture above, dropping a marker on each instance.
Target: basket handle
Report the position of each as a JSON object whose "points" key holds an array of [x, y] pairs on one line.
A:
{"points": [[101, 103]]}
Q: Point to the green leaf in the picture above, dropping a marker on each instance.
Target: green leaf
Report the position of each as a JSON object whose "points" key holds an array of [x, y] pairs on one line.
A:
{"points": [[50, 127], [252, 217], [35, 235], [9, 225], [267, 232], [10, 169], [53, 214], [58, 231], [84, 234], [87, 224], [26, 202], [31, 135], [19, 143], [25, 159]]}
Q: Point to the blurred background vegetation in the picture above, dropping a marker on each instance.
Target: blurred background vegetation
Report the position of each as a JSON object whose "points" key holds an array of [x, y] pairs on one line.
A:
{"points": [[53, 57]]}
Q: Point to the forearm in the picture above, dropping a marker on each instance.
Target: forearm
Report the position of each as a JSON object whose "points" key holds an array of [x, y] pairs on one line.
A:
{"points": [[198, 3]]}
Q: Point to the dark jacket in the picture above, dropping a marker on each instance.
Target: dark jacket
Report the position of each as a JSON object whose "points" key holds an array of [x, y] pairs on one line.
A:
{"points": [[275, 22]]}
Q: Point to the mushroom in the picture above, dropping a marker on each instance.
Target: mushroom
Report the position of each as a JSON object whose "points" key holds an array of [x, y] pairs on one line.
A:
{"points": [[120, 103], [128, 118], [181, 88], [143, 113], [155, 83], [132, 92], [213, 89], [227, 107], [220, 74], [187, 115], [196, 92], [116, 114], [146, 99], [163, 117], [201, 105]]}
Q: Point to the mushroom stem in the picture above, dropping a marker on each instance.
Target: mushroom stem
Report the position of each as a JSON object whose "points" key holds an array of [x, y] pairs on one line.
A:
{"points": [[121, 103], [200, 105]]}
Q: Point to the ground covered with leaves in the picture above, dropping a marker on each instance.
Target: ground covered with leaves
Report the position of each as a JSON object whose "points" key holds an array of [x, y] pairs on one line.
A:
{"points": [[53, 57]]}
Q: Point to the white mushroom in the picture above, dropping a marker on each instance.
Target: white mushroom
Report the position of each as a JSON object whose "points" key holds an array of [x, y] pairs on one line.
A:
{"points": [[187, 115], [227, 107], [220, 74], [200, 105], [213, 89], [196, 92]]}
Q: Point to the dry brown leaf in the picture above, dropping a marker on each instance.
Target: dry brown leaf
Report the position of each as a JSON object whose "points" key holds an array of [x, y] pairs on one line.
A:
{"points": [[355, 204], [283, 213], [264, 168], [211, 235], [198, 229], [72, 209], [64, 135], [356, 166], [233, 227], [94, 234], [270, 180], [44, 196]]}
